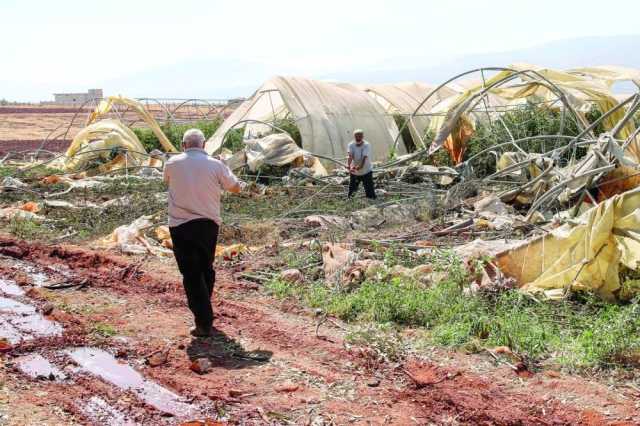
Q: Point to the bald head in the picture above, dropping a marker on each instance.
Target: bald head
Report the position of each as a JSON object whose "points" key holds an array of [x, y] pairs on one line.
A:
{"points": [[193, 138]]}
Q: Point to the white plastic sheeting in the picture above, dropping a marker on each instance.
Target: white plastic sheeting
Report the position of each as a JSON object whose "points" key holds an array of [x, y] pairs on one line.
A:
{"points": [[609, 74], [325, 113], [405, 98], [275, 150]]}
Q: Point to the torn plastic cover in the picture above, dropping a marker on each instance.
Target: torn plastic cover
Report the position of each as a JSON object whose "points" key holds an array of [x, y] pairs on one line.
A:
{"points": [[579, 92], [110, 141], [584, 254], [107, 104], [103, 140], [275, 150]]}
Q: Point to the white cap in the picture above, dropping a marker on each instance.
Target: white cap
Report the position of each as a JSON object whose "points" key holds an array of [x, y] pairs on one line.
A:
{"points": [[358, 132]]}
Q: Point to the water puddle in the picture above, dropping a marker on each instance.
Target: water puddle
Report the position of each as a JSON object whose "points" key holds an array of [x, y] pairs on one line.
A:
{"points": [[10, 288], [36, 276], [102, 413], [38, 367], [9, 332], [20, 321], [105, 366], [23, 322]]}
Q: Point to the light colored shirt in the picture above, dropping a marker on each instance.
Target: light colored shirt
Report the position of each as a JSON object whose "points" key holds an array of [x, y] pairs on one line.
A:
{"points": [[196, 182], [358, 152]]}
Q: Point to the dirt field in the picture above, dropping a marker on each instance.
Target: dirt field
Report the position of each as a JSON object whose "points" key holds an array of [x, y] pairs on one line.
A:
{"points": [[38, 123], [34, 124], [269, 362]]}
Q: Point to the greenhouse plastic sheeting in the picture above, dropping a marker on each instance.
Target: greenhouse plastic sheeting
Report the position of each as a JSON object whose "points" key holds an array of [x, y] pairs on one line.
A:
{"points": [[405, 99], [107, 104], [610, 74], [97, 140], [585, 254], [578, 90], [279, 150], [325, 113], [274, 150]]}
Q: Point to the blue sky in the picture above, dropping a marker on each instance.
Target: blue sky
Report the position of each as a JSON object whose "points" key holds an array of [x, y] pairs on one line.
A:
{"points": [[68, 45]]}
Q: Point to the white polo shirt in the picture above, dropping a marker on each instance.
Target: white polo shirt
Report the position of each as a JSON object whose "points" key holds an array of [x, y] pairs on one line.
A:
{"points": [[196, 182]]}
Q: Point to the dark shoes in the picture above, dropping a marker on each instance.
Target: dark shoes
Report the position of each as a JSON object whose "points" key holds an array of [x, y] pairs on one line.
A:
{"points": [[201, 332]]}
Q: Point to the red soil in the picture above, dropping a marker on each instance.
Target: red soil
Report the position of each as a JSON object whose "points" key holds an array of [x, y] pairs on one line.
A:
{"points": [[269, 364]]}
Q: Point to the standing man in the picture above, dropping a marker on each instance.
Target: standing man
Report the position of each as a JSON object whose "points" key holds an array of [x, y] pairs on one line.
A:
{"points": [[196, 182], [359, 164]]}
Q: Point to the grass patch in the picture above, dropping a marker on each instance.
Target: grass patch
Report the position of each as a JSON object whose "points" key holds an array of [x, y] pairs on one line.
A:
{"points": [[103, 330], [174, 133], [26, 228], [285, 202], [578, 334], [28, 173], [281, 289]]}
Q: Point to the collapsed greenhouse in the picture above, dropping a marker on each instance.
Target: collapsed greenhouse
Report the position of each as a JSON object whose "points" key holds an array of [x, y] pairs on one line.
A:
{"points": [[548, 144], [504, 239], [325, 114]]}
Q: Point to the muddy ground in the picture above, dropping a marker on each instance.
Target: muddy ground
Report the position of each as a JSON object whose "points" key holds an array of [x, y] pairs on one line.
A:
{"points": [[96, 338]]}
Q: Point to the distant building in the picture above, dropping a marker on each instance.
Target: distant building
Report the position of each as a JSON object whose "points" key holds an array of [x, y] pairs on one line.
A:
{"points": [[77, 98]]}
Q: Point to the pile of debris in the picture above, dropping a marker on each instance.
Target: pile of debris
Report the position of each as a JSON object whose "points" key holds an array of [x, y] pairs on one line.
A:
{"points": [[557, 218]]}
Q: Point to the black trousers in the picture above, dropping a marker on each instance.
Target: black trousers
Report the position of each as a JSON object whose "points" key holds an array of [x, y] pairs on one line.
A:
{"points": [[194, 246], [367, 182]]}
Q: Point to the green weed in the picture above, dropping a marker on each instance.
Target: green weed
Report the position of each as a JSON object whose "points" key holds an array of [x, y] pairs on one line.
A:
{"points": [[284, 201], [579, 333], [104, 330], [27, 228], [521, 122], [174, 132], [290, 126], [280, 289]]}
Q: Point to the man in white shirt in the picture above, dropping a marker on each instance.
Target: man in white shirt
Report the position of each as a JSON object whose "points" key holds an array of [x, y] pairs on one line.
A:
{"points": [[196, 182], [359, 164]]}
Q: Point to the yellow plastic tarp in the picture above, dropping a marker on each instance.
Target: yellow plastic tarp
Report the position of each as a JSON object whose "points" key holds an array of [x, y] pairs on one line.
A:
{"points": [[609, 74], [100, 136], [583, 255], [98, 139], [579, 90], [107, 104]]}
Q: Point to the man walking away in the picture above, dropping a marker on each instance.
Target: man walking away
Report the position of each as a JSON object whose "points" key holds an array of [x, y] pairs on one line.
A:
{"points": [[359, 164], [196, 182]]}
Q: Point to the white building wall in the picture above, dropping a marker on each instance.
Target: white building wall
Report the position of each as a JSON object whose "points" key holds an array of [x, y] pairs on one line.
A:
{"points": [[77, 98]]}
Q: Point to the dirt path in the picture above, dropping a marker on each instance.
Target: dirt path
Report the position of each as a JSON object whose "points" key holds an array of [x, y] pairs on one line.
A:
{"points": [[115, 314]]}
